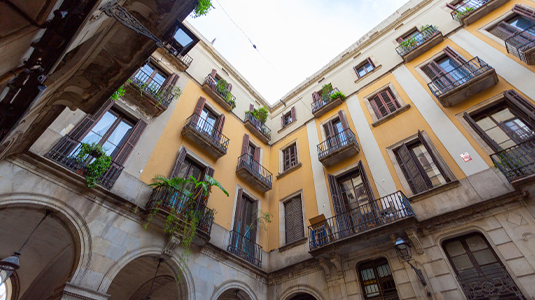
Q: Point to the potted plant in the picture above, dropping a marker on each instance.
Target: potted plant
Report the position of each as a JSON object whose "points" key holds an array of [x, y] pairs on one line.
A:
{"points": [[338, 95], [99, 162], [260, 114]]}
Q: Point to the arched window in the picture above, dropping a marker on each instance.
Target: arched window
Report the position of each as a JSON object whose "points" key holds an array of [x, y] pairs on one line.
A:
{"points": [[479, 270], [377, 281]]}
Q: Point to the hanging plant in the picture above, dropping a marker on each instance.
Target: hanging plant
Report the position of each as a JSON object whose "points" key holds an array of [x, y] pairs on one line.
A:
{"points": [[202, 8], [119, 92], [100, 162]]}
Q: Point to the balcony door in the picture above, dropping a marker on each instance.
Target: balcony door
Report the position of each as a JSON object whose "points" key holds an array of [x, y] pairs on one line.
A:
{"points": [[335, 132], [479, 270], [448, 70], [244, 238]]}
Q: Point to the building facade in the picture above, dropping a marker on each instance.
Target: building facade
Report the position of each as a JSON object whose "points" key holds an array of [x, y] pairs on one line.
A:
{"points": [[403, 169]]}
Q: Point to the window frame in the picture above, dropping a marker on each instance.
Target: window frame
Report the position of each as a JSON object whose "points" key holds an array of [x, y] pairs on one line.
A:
{"points": [[373, 264], [440, 162], [363, 65], [289, 165], [283, 171], [251, 197], [300, 218]]}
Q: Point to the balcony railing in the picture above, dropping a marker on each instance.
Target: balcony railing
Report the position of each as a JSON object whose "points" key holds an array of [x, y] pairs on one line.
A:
{"points": [[146, 84], [496, 283], [169, 199], [335, 143], [324, 100], [522, 42], [244, 248], [458, 76], [467, 7], [517, 161], [261, 127], [206, 129], [386, 210], [64, 153], [223, 93], [414, 42], [247, 161]]}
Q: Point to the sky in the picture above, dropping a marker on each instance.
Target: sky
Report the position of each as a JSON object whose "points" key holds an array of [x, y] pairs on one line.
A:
{"points": [[293, 38]]}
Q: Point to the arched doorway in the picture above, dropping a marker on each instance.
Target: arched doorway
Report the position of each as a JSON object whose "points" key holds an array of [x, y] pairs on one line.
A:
{"points": [[49, 258], [134, 281], [302, 296], [233, 294]]}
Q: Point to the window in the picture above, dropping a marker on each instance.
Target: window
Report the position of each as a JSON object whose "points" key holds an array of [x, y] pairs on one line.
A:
{"points": [[420, 166], [376, 280], [479, 270], [150, 77], [293, 217], [448, 68], [245, 216], [289, 157], [288, 117], [185, 166], [522, 19], [350, 190], [384, 103], [206, 121], [508, 122], [412, 34], [364, 68]]}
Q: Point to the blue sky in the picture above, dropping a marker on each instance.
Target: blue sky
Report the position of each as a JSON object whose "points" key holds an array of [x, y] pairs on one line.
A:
{"points": [[294, 38]]}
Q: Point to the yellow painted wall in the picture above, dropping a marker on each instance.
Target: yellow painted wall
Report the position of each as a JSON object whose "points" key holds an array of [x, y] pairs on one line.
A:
{"points": [[163, 157]]}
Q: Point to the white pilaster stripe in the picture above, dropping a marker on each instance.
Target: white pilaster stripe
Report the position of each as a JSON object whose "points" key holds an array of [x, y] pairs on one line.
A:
{"points": [[516, 74], [452, 139], [320, 185], [376, 162]]}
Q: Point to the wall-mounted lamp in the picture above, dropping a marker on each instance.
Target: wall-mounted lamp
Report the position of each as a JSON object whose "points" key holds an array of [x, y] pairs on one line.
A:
{"points": [[403, 249]]}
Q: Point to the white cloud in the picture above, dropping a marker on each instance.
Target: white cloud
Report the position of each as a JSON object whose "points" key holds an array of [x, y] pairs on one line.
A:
{"points": [[294, 38]]}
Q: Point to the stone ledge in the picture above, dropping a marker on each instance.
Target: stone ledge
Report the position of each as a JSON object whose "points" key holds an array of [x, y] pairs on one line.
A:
{"points": [[392, 115], [434, 191], [293, 244], [290, 170]]}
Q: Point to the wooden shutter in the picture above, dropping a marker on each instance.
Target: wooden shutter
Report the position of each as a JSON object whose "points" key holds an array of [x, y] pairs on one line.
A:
{"points": [[199, 107], [181, 156], [336, 195], [213, 73], [365, 181], [282, 121], [170, 82], [293, 155], [371, 63], [293, 220], [238, 224], [481, 132], [102, 110], [252, 235], [432, 154], [229, 87], [130, 143], [220, 123], [432, 70], [257, 154], [315, 96], [251, 107], [503, 30], [521, 106], [410, 170], [524, 11], [292, 114], [343, 120], [245, 145], [453, 55]]}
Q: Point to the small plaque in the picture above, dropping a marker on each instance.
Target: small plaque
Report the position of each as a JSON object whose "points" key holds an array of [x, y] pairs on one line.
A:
{"points": [[466, 157]]}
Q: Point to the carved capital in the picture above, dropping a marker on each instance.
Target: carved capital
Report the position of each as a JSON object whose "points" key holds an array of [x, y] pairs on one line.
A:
{"points": [[415, 239], [171, 243]]}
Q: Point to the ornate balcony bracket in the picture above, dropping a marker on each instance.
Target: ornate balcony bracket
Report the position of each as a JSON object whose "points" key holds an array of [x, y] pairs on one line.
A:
{"points": [[119, 13], [171, 243], [326, 266], [417, 244], [336, 260]]}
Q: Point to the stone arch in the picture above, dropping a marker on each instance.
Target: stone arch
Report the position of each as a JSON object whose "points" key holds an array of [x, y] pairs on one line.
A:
{"points": [[174, 263], [302, 288], [65, 217], [234, 285]]}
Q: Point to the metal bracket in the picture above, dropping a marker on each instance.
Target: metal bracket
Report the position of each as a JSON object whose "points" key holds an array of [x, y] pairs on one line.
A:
{"points": [[113, 9]]}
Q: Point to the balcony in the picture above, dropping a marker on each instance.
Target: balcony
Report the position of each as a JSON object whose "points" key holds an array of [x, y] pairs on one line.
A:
{"points": [[182, 62], [64, 153], [204, 134], [416, 45], [166, 199], [259, 129], [148, 93], [325, 103], [522, 45], [380, 213], [469, 11], [244, 248], [516, 162], [338, 148], [222, 97], [462, 82], [253, 172]]}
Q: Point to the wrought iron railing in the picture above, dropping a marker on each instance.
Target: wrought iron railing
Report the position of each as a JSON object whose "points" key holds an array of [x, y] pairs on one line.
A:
{"points": [[458, 76], [64, 153], [170, 199], [414, 42], [207, 129], [258, 125], [467, 7], [143, 81], [517, 161], [520, 42], [496, 283], [245, 248], [247, 161], [335, 143], [223, 93], [365, 217], [324, 99]]}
